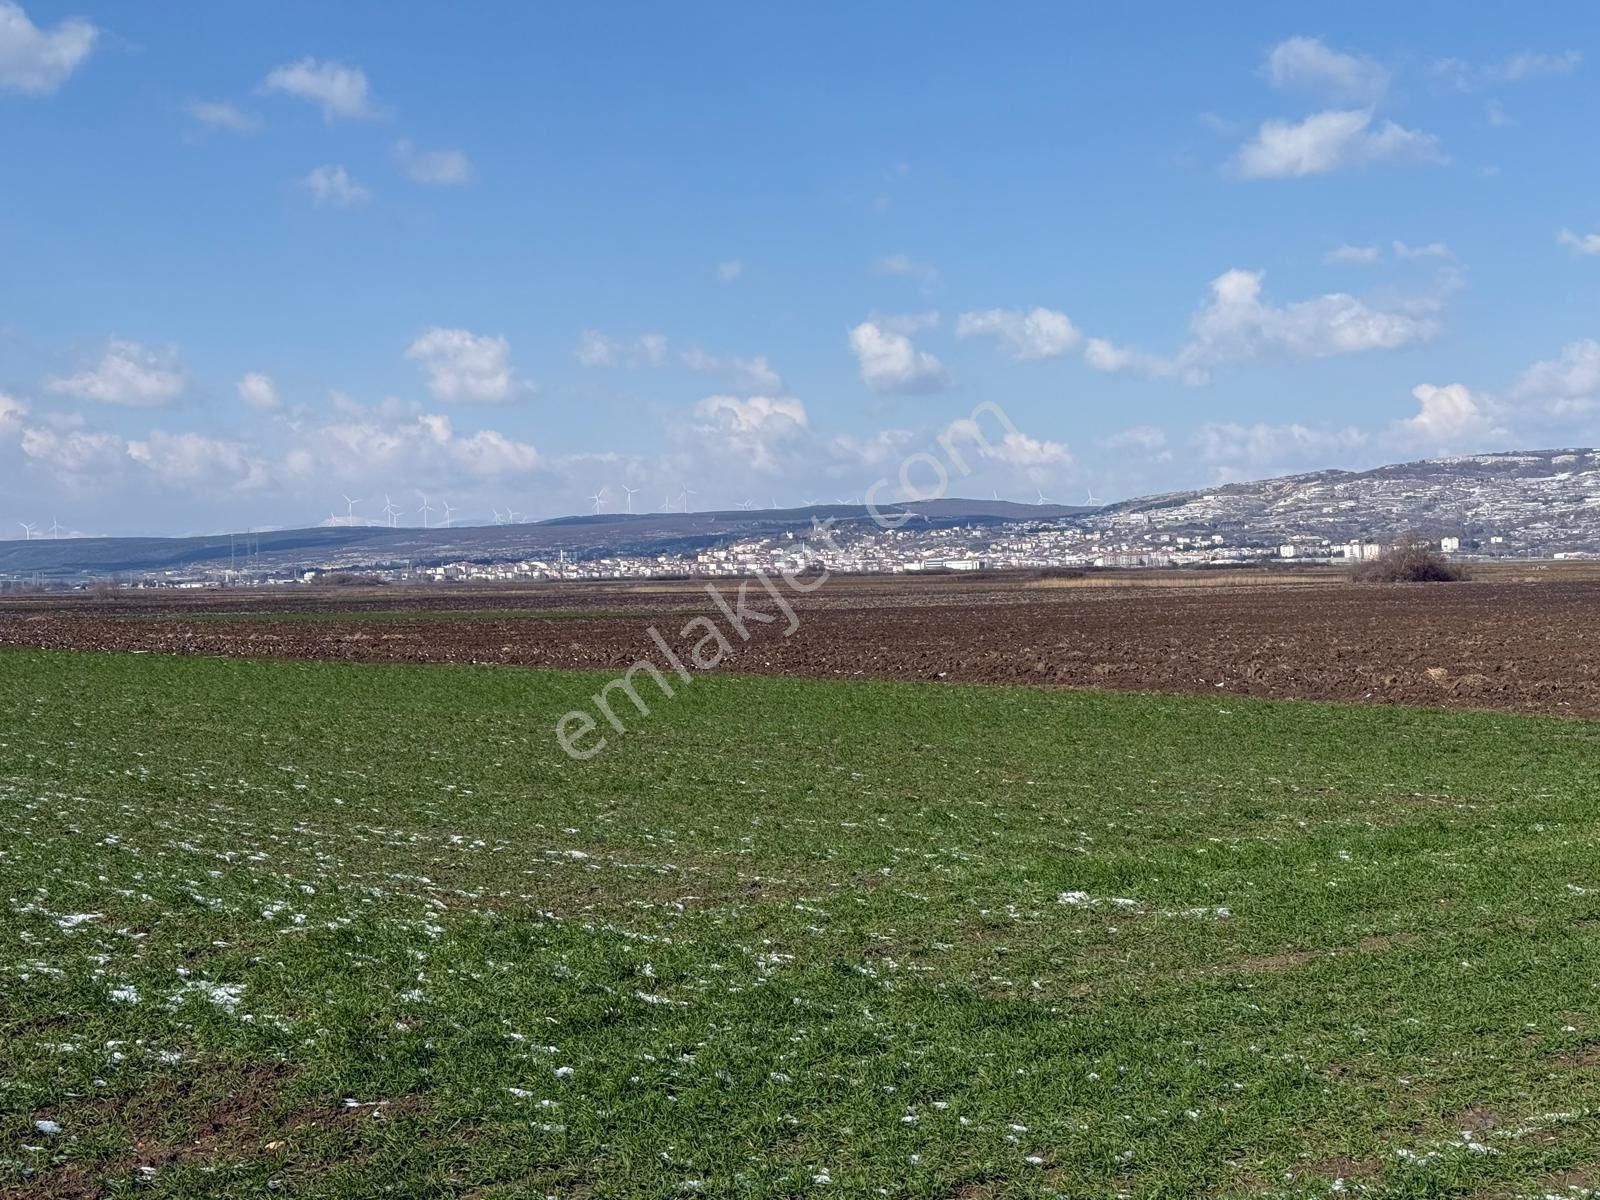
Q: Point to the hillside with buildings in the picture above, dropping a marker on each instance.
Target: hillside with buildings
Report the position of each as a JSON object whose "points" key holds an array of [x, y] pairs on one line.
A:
{"points": [[1528, 504]]}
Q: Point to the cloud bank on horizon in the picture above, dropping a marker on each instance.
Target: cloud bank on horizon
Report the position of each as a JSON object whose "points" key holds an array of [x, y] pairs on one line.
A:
{"points": [[261, 263]]}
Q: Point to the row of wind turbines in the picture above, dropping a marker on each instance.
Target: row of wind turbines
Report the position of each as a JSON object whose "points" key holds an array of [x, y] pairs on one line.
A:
{"points": [[31, 531], [392, 513]]}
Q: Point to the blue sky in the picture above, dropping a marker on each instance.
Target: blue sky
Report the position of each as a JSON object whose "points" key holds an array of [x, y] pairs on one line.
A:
{"points": [[259, 257]]}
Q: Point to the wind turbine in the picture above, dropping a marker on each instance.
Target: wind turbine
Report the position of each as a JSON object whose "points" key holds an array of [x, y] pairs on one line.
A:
{"points": [[1043, 499], [350, 509], [1091, 498], [687, 492], [811, 503], [55, 528], [599, 498], [511, 515], [666, 502], [630, 492], [390, 509], [425, 510], [448, 510], [746, 504], [27, 531]]}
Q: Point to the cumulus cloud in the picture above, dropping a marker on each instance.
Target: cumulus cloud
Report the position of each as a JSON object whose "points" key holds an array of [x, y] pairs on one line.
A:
{"points": [[1236, 323], [331, 186], [755, 429], [444, 167], [129, 374], [341, 92], [194, 459], [1330, 141], [258, 391], [425, 449], [1573, 379], [220, 115], [1579, 243], [1447, 417], [1014, 449], [34, 61], [1041, 333], [1308, 64], [74, 451], [890, 363], [730, 270], [462, 365]]}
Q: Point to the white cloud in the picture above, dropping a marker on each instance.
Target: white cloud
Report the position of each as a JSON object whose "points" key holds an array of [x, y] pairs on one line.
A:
{"points": [[462, 365], [1015, 449], [340, 91], [1353, 255], [890, 363], [1146, 439], [1041, 333], [754, 429], [1572, 377], [332, 187], [258, 391], [1431, 250], [1519, 68], [423, 450], [1262, 445], [753, 374], [1528, 65], [596, 349], [1330, 141], [749, 374], [909, 324], [1237, 324], [36, 61], [1447, 417], [730, 270], [192, 458], [1309, 64], [1105, 355], [127, 373], [219, 114], [1579, 243], [447, 167], [905, 267], [74, 451]]}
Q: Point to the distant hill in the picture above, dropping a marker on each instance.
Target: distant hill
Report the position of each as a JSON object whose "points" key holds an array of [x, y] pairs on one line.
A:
{"points": [[1540, 501], [1537, 499], [375, 545]]}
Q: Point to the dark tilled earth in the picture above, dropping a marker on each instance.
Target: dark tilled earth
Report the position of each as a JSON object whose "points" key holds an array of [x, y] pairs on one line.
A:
{"points": [[1522, 646]]}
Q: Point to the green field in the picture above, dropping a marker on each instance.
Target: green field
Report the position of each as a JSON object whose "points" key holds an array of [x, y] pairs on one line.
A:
{"points": [[323, 930]]}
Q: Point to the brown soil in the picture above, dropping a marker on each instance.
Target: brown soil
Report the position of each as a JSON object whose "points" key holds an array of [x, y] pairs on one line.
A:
{"points": [[1529, 646]]}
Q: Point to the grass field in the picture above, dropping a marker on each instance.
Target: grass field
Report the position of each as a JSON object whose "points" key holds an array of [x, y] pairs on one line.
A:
{"points": [[319, 930]]}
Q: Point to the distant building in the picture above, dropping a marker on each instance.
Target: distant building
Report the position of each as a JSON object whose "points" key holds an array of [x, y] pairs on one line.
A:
{"points": [[1450, 545]]}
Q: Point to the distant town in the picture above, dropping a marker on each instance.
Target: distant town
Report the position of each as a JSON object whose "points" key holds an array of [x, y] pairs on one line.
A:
{"points": [[1533, 504]]}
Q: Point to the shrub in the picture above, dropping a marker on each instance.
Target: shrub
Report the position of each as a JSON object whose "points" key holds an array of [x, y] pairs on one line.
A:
{"points": [[1410, 560]]}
